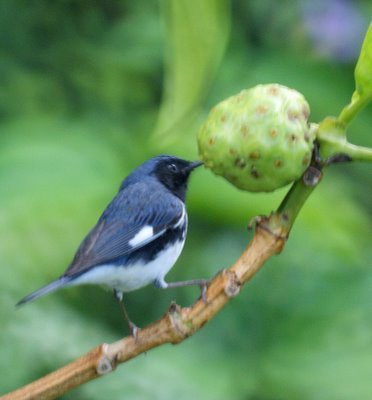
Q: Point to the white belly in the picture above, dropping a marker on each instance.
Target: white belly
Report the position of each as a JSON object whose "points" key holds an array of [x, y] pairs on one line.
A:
{"points": [[134, 276]]}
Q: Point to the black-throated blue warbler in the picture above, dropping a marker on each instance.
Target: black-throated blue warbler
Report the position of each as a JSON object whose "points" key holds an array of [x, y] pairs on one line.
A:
{"points": [[139, 236]]}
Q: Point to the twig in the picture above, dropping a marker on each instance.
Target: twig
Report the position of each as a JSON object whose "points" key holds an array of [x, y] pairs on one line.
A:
{"points": [[174, 327]]}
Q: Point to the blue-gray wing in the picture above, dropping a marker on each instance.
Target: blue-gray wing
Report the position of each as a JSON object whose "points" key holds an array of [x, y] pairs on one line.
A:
{"points": [[136, 216]]}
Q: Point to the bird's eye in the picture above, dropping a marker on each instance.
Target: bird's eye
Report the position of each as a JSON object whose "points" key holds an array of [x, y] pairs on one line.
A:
{"points": [[172, 168]]}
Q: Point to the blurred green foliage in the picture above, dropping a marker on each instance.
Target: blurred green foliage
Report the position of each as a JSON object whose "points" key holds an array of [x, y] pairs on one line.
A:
{"points": [[91, 89]]}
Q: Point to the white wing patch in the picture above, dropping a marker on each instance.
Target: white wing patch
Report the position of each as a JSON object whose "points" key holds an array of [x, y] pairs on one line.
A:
{"points": [[144, 235], [181, 220]]}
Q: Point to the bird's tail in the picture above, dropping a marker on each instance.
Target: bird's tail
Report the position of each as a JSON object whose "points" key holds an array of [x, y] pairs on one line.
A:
{"points": [[51, 287]]}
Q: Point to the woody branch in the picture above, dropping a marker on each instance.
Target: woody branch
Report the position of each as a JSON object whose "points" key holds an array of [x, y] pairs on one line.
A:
{"points": [[175, 326]]}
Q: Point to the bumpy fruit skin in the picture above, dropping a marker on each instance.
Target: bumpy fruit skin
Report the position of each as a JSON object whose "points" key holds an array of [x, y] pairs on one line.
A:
{"points": [[260, 139]]}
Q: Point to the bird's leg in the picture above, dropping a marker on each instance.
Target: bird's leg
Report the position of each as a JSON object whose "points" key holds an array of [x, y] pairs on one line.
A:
{"points": [[132, 327], [202, 283]]}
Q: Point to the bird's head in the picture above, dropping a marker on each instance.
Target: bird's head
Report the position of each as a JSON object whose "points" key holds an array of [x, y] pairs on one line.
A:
{"points": [[173, 173]]}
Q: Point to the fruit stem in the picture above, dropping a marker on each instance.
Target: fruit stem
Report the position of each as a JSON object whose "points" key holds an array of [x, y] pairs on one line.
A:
{"points": [[293, 202], [357, 153], [331, 134]]}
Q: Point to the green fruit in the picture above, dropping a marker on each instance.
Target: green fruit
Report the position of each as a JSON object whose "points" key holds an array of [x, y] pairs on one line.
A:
{"points": [[260, 139]]}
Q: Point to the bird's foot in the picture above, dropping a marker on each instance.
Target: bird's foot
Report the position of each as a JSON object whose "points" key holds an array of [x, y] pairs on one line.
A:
{"points": [[133, 329], [202, 283], [203, 287]]}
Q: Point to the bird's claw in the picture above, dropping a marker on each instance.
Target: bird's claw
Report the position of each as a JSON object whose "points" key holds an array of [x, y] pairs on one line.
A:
{"points": [[203, 287], [133, 330]]}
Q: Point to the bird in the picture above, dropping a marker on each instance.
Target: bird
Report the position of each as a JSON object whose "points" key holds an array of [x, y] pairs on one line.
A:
{"points": [[139, 236]]}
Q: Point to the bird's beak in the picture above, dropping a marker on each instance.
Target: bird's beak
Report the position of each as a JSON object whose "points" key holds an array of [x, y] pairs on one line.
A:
{"points": [[193, 165]]}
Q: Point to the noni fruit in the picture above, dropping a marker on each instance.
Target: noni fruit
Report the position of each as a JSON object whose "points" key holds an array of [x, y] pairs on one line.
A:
{"points": [[260, 139]]}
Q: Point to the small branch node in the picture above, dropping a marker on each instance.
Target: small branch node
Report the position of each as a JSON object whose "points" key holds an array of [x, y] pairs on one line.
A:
{"points": [[233, 286], [105, 363], [254, 221], [174, 308], [180, 330], [274, 225], [312, 176]]}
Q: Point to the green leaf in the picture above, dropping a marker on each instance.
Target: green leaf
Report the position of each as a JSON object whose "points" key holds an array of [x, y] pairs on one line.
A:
{"points": [[196, 37], [363, 69], [363, 82]]}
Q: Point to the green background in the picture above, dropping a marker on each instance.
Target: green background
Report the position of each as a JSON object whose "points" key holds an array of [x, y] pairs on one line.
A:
{"points": [[88, 91]]}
